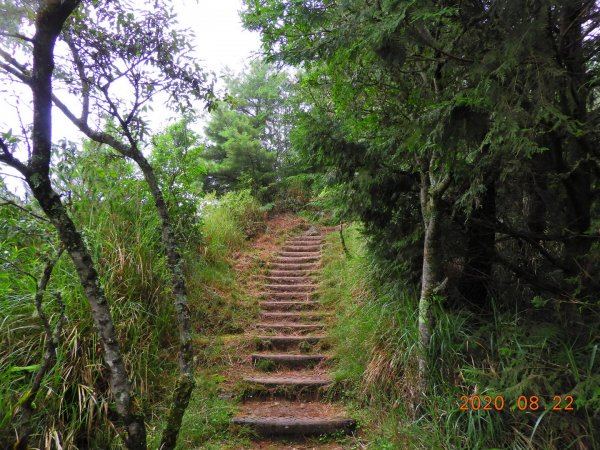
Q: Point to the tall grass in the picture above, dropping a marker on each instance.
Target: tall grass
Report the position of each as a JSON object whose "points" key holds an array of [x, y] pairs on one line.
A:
{"points": [[508, 354], [73, 408], [119, 223]]}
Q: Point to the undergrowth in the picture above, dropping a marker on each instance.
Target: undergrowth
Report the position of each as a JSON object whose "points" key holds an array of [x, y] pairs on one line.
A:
{"points": [[512, 354], [73, 408]]}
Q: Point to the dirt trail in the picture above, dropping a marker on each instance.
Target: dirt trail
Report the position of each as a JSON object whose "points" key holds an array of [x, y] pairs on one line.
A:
{"points": [[286, 377]]}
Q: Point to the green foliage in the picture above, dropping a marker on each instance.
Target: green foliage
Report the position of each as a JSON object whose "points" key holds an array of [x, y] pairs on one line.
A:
{"points": [[206, 424], [240, 159], [123, 237], [176, 158], [294, 192], [248, 133], [228, 221], [140, 47], [399, 96]]}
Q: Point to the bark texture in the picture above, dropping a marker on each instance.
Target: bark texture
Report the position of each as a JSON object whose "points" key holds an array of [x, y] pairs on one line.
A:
{"points": [[129, 148], [576, 150], [185, 383], [50, 202], [477, 273], [50, 19], [432, 275]]}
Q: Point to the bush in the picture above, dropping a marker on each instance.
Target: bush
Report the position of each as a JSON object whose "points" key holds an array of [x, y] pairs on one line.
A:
{"points": [[227, 223], [124, 239], [293, 193]]}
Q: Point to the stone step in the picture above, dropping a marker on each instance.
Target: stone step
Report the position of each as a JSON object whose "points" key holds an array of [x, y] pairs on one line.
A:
{"points": [[297, 255], [290, 382], [287, 360], [288, 295], [287, 342], [288, 306], [304, 238], [296, 427], [293, 316], [291, 273], [289, 326], [290, 287], [296, 259], [296, 383], [301, 248], [287, 266], [288, 280]]}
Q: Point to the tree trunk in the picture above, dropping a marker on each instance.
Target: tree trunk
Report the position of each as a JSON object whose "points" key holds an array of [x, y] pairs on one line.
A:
{"points": [[432, 275], [185, 383], [346, 251], [429, 281], [575, 149], [578, 188], [534, 208], [50, 19], [50, 202]]}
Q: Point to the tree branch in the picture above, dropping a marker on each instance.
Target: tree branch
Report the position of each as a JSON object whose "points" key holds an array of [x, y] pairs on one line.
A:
{"points": [[8, 202], [41, 289], [24, 131], [16, 35], [49, 358], [13, 62], [18, 269], [98, 136], [427, 39], [7, 158], [24, 78], [85, 86], [530, 277]]}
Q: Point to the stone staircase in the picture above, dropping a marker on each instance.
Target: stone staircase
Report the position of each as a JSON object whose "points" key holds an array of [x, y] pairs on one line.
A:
{"points": [[284, 395]]}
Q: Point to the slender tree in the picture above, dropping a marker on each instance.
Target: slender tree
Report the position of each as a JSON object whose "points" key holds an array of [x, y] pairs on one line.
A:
{"points": [[50, 19], [153, 59]]}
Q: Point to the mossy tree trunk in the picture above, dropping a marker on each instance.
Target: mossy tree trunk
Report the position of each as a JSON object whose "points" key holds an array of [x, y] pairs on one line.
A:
{"points": [[185, 383], [50, 19], [432, 271]]}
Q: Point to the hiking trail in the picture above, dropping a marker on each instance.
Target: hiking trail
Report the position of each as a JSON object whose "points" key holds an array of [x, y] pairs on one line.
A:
{"points": [[287, 375]]}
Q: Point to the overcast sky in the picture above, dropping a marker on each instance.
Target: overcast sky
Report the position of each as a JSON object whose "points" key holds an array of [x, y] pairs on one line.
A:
{"points": [[220, 39]]}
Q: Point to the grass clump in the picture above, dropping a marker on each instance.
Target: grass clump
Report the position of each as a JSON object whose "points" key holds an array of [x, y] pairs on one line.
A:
{"points": [[206, 423], [228, 222], [510, 354]]}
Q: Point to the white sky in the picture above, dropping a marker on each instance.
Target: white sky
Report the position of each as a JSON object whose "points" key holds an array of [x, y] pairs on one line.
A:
{"points": [[220, 42], [220, 39]]}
